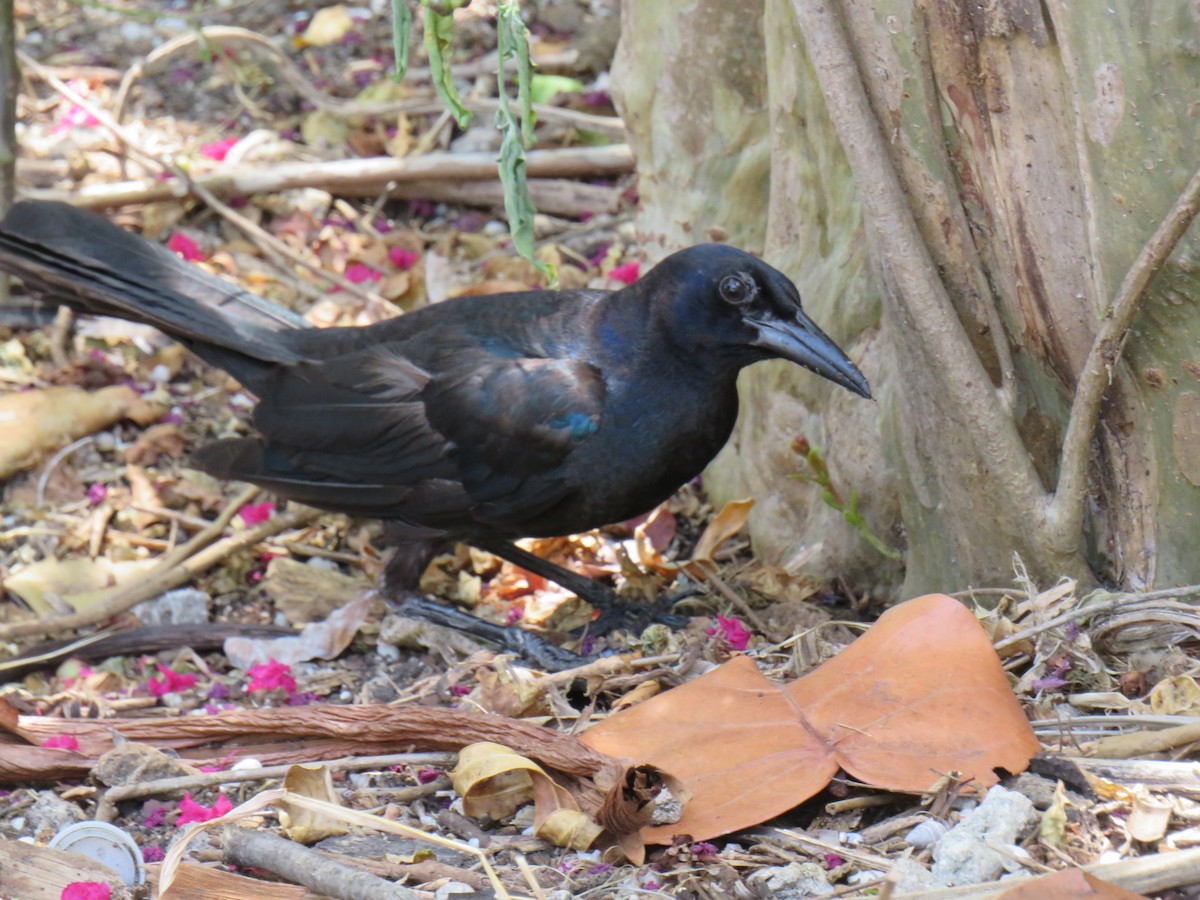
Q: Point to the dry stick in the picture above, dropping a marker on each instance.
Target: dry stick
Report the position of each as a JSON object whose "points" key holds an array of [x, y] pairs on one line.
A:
{"points": [[1064, 512], [189, 185], [609, 126], [352, 177], [1090, 609], [166, 575], [106, 811], [905, 258], [298, 864]]}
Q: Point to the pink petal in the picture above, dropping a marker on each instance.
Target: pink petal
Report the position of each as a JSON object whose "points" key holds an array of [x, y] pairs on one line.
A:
{"points": [[256, 513], [184, 246], [86, 890], [403, 259], [62, 741], [219, 150], [627, 272], [357, 273]]}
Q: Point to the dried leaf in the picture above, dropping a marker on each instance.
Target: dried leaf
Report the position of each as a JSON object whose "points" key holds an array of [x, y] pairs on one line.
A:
{"points": [[79, 581], [496, 781], [1069, 884], [1149, 817], [318, 640], [302, 823], [922, 692], [40, 421], [1175, 696], [327, 27], [1054, 819]]}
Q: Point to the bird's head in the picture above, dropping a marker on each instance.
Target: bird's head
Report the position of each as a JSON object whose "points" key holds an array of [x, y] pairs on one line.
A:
{"points": [[722, 300]]}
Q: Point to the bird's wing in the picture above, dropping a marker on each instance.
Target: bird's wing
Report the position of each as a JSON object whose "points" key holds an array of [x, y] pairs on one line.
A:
{"points": [[371, 432]]}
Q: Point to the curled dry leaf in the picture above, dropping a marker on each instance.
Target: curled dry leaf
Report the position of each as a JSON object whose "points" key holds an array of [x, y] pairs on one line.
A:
{"points": [[38, 422], [302, 823], [921, 692], [724, 525], [318, 640], [1149, 817], [496, 781]]}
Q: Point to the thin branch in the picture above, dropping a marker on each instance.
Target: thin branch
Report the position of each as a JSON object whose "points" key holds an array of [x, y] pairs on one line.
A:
{"points": [[353, 177], [1064, 512], [106, 810]]}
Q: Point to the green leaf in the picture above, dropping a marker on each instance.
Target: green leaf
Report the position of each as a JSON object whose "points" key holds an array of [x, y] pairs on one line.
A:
{"points": [[401, 31], [517, 203], [439, 28], [513, 43], [543, 88]]}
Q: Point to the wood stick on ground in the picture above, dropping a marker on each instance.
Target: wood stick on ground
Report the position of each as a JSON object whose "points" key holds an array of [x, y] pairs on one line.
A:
{"points": [[106, 811], [295, 862], [352, 177], [1144, 875]]}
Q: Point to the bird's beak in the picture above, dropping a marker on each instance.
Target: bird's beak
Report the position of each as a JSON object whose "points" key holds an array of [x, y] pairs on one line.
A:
{"points": [[802, 342]]}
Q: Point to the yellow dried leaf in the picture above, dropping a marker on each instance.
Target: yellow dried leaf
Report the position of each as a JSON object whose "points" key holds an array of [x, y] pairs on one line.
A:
{"points": [[304, 824], [38, 422], [568, 828], [494, 780], [78, 582], [1054, 819], [1178, 695], [327, 27]]}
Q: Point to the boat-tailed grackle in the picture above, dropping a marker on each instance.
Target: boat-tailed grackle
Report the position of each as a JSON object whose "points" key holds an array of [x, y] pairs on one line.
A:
{"points": [[479, 419]]}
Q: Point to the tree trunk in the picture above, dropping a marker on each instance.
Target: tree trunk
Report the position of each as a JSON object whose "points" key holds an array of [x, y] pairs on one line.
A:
{"points": [[959, 190]]}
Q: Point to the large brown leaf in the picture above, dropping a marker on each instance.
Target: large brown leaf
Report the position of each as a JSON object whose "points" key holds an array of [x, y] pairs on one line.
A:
{"points": [[921, 693]]}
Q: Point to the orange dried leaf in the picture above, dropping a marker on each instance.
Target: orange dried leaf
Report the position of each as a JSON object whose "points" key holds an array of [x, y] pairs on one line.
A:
{"points": [[921, 693], [1069, 884]]}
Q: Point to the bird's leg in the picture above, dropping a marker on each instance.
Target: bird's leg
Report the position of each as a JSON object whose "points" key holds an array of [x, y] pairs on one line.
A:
{"points": [[535, 649], [615, 611]]}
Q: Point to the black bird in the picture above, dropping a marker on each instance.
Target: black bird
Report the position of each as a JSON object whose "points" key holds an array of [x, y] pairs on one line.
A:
{"points": [[480, 419]]}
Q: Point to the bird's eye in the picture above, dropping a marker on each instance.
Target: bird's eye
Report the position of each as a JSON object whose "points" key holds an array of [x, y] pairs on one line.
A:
{"points": [[735, 288]]}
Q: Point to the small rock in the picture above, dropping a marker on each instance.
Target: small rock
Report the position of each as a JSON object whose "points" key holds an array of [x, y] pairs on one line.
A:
{"points": [[963, 855], [50, 814], [133, 763], [186, 606], [793, 881]]}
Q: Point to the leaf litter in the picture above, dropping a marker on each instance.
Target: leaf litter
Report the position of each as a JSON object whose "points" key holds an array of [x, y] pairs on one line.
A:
{"points": [[759, 752]]}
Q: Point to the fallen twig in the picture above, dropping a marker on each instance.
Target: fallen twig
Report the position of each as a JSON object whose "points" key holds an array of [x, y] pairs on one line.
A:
{"points": [[295, 862], [106, 810], [351, 177], [260, 236]]}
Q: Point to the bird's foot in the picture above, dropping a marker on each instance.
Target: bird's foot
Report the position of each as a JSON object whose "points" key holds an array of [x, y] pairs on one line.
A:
{"points": [[531, 647], [618, 614]]}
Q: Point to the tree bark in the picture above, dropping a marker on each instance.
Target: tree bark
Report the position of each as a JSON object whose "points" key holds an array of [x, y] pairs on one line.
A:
{"points": [[958, 190]]}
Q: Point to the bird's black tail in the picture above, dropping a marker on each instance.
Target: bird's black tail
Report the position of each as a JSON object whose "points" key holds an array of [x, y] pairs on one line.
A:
{"points": [[79, 258]]}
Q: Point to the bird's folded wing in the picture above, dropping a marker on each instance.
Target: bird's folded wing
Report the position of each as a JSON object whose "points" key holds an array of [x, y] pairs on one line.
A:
{"points": [[371, 432]]}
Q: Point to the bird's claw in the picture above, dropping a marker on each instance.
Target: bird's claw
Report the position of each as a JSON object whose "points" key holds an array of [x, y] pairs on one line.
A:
{"points": [[620, 615]]}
